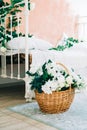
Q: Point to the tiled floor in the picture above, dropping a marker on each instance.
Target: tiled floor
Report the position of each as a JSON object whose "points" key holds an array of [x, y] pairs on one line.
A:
{"points": [[13, 121]]}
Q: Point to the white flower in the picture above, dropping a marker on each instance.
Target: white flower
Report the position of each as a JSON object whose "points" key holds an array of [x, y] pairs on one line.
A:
{"points": [[3, 49], [49, 87], [46, 89], [52, 72], [69, 80], [53, 85], [52, 69], [61, 79], [40, 71], [76, 77], [50, 65], [61, 84], [52, 77], [67, 85], [32, 6]]}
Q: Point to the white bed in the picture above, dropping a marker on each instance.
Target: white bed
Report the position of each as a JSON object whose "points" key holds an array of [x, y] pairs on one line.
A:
{"points": [[39, 49], [74, 57]]}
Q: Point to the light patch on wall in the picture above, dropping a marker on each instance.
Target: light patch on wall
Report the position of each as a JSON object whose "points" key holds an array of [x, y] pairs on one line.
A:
{"points": [[50, 19], [79, 7]]}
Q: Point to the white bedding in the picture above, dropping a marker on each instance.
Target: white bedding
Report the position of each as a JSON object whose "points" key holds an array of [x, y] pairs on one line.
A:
{"points": [[73, 57], [33, 43], [19, 43]]}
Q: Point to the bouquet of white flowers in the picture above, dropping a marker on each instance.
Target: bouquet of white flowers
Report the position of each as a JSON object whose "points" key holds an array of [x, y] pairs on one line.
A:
{"points": [[54, 77], [54, 86]]}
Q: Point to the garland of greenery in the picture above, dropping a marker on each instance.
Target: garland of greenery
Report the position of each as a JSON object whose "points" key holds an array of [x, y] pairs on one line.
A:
{"points": [[68, 43]]}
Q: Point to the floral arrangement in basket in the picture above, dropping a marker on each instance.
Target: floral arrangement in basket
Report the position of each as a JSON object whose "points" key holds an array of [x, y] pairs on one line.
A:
{"points": [[54, 77], [54, 86]]}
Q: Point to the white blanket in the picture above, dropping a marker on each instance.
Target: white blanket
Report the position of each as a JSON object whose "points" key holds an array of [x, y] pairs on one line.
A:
{"points": [[73, 57]]}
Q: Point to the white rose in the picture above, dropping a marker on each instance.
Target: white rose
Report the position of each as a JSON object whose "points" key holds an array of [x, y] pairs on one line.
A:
{"points": [[48, 66], [76, 77], [46, 89], [61, 85], [69, 79], [54, 85], [3, 49], [49, 87], [61, 79], [40, 72], [32, 6], [52, 72]]}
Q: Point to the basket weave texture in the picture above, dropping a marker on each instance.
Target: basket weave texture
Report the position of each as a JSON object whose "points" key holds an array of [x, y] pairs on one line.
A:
{"points": [[57, 102]]}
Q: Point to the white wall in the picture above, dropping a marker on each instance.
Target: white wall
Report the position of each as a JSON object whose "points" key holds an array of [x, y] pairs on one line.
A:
{"points": [[79, 7]]}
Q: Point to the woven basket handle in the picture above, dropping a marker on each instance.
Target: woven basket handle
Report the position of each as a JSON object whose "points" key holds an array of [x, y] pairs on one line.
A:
{"points": [[65, 69]]}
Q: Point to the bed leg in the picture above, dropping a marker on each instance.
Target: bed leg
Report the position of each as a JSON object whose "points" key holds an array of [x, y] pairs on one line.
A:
{"points": [[3, 65], [29, 94]]}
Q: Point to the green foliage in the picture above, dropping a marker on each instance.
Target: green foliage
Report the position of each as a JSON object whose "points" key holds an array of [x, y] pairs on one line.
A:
{"points": [[68, 43], [40, 80], [51, 77], [13, 9]]}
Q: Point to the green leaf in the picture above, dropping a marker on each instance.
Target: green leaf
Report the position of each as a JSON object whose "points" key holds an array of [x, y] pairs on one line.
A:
{"points": [[30, 74]]}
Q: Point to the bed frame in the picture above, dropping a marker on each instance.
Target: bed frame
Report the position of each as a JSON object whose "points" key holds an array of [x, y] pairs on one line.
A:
{"points": [[28, 58], [11, 53]]}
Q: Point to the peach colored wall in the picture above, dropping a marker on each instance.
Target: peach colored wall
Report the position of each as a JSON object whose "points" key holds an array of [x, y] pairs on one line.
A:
{"points": [[50, 19]]}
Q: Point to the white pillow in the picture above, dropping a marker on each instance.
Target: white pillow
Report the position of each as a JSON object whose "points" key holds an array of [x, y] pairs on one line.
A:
{"points": [[33, 43], [62, 41]]}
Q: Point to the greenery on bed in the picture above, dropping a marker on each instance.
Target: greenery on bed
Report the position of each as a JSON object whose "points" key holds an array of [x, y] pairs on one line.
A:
{"points": [[68, 43], [12, 9]]}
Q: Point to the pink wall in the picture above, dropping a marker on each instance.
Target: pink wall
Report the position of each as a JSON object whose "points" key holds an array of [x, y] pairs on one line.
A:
{"points": [[50, 19]]}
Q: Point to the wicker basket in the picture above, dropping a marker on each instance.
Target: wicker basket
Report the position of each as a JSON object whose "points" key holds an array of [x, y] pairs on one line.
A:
{"points": [[56, 102]]}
